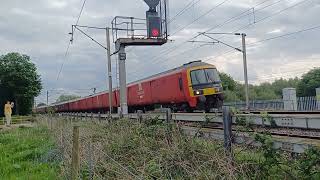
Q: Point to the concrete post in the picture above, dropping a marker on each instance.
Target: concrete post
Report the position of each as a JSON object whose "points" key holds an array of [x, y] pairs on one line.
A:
{"points": [[290, 99], [168, 116], [109, 69], [318, 98], [245, 70], [123, 81], [99, 116], [139, 114]]}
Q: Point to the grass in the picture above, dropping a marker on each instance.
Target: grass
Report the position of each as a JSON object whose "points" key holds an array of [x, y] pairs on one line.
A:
{"points": [[25, 154]]}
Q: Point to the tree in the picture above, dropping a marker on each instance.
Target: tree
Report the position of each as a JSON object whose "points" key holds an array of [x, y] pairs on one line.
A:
{"points": [[230, 96], [228, 82], [309, 82], [20, 79], [63, 98], [280, 84], [264, 91]]}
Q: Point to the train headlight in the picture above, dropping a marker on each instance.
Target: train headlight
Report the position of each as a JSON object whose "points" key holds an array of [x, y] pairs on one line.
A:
{"points": [[218, 89], [198, 92]]}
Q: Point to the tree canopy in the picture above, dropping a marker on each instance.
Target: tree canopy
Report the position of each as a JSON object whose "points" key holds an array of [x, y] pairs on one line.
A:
{"points": [[20, 81], [63, 98], [228, 82], [309, 82], [234, 91]]}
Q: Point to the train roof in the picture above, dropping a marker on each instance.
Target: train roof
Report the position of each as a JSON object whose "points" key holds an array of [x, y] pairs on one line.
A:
{"points": [[184, 66]]}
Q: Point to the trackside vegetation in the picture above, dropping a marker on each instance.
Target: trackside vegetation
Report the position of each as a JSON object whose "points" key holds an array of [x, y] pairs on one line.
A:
{"points": [[306, 86], [28, 153], [145, 147], [152, 149]]}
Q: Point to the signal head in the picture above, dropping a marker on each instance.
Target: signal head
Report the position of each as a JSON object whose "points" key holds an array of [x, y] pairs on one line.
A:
{"points": [[152, 4]]}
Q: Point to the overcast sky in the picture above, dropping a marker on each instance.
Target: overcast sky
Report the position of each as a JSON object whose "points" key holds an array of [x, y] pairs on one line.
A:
{"points": [[39, 28]]}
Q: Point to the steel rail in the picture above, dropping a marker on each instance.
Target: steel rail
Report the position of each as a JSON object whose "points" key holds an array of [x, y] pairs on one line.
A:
{"points": [[272, 131], [290, 144]]}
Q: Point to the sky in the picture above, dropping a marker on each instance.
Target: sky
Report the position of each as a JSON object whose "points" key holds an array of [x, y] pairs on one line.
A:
{"points": [[282, 39]]}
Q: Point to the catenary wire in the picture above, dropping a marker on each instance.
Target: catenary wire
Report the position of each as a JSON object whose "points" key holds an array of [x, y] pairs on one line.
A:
{"points": [[69, 44], [185, 9], [232, 19]]}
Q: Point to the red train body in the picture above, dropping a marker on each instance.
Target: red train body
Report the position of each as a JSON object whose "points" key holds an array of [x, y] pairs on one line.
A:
{"points": [[195, 85]]}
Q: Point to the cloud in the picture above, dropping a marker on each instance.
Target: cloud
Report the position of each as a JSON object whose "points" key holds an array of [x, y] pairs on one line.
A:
{"points": [[275, 31], [40, 29], [57, 4]]}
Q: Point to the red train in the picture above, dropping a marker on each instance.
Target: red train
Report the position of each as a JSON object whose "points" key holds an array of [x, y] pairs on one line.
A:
{"points": [[193, 86]]}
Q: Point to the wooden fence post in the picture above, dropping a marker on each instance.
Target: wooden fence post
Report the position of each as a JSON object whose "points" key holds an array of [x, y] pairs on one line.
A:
{"points": [[168, 122], [75, 154], [99, 116], [227, 129]]}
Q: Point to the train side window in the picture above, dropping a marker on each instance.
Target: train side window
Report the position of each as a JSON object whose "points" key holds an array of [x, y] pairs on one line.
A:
{"points": [[180, 84]]}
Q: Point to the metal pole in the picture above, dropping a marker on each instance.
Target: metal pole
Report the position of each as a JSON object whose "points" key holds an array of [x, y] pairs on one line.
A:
{"points": [[47, 97], [244, 52], [123, 81], [109, 69]]}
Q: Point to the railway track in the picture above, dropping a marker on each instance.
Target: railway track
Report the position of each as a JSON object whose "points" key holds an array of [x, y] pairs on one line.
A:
{"points": [[298, 120], [285, 143], [278, 112], [291, 132], [295, 121], [298, 133]]}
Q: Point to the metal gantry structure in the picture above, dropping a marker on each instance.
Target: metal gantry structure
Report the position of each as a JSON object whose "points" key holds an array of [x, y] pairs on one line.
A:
{"points": [[130, 31]]}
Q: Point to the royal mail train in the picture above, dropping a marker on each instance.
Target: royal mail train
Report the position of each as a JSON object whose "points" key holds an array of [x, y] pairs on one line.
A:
{"points": [[192, 86]]}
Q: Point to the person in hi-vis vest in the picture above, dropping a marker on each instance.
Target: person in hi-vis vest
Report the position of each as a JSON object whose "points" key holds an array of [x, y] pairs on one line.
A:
{"points": [[7, 112]]}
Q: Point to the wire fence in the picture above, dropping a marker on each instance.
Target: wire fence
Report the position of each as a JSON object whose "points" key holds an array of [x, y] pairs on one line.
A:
{"points": [[93, 161], [17, 120], [300, 104]]}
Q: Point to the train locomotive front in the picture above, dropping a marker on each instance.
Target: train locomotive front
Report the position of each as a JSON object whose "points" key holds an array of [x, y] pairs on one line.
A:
{"points": [[205, 85]]}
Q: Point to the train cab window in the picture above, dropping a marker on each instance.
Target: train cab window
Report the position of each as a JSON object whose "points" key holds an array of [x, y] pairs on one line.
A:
{"points": [[204, 76], [212, 75], [198, 77]]}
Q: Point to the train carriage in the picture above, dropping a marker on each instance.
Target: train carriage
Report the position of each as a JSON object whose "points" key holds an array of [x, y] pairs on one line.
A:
{"points": [[193, 86]]}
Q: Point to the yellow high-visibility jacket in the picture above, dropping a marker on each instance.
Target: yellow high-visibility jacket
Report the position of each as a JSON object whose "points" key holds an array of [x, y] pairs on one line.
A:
{"points": [[7, 109]]}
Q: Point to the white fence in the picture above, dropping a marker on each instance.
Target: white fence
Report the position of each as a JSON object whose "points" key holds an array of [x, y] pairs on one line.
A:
{"points": [[303, 104]]}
